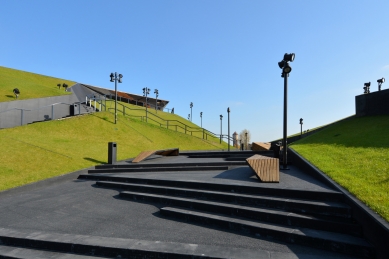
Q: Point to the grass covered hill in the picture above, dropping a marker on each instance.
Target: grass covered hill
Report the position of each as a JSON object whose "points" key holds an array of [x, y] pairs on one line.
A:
{"points": [[41, 150], [354, 153], [30, 85]]}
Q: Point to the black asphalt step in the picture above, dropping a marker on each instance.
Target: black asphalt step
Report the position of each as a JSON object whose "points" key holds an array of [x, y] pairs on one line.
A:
{"points": [[109, 247], [292, 205], [158, 169], [140, 165], [232, 153], [268, 215], [234, 188], [319, 239], [11, 252]]}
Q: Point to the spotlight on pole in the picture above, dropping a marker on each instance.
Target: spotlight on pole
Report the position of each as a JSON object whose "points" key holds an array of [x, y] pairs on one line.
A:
{"points": [[286, 69], [366, 88], [380, 81], [116, 78]]}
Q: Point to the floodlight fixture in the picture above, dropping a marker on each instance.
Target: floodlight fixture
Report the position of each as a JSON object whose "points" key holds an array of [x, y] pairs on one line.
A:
{"points": [[286, 69], [281, 64], [380, 81], [366, 88], [289, 57]]}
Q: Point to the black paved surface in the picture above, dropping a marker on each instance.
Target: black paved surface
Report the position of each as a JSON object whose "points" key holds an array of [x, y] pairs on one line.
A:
{"points": [[65, 205]]}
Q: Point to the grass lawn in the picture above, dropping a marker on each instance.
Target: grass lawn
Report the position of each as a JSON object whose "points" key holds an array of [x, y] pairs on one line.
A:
{"points": [[30, 85], [160, 118], [42, 150], [354, 153]]}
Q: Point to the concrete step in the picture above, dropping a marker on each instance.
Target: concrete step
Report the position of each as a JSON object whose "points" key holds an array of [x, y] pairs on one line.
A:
{"points": [[319, 239], [251, 213], [157, 169], [333, 209], [140, 165], [11, 252], [332, 196]]}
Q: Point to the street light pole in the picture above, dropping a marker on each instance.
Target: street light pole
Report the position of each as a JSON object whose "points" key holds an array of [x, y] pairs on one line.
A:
{"points": [[286, 69], [247, 142], [146, 92], [228, 111], [191, 106], [116, 78], [201, 117], [221, 128], [156, 99], [301, 129]]}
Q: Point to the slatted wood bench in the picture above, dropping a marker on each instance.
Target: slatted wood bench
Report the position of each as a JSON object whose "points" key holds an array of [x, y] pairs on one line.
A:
{"points": [[267, 169], [164, 152]]}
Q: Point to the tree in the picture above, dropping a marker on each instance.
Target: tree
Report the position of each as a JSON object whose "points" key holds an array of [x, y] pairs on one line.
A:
{"points": [[242, 138]]}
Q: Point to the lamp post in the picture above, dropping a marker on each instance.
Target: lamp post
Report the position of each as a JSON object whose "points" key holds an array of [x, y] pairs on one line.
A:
{"points": [[301, 129], [156, 99], [366, 88], [146, 92], [191, 106], [380, 81], [116, 78], [221, 128], [286, 69], [201, 118], [247, 143], [228, 112]]}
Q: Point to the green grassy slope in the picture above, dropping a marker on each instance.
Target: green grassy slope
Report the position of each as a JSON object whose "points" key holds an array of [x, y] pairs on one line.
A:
{"points": [[30, 85], [354, 153], [38, 151], [160, 118]]}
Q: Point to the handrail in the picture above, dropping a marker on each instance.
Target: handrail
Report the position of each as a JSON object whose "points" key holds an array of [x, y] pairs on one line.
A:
{"points": [[164, 122]]}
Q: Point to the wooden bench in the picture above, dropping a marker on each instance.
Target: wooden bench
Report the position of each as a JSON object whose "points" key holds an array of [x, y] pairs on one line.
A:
{"points": [[267, 169], [164, 152]]}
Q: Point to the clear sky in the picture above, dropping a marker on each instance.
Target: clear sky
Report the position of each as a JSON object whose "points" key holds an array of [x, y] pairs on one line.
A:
{"points": [[214, 53]]}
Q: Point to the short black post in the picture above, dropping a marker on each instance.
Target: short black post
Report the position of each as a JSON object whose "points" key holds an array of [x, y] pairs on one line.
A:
{"points": [[112, 152]]}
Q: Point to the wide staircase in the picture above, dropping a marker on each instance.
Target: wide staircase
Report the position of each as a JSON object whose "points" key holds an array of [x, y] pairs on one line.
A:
{"points": [[318, 219]]}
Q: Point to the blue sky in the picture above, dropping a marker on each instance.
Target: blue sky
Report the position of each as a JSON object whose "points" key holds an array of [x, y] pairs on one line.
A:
{"points": [[216, 54]]}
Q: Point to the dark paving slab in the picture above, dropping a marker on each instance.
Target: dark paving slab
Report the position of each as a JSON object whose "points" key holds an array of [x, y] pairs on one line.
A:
{"points": [[65, 205], [240, 175]]}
